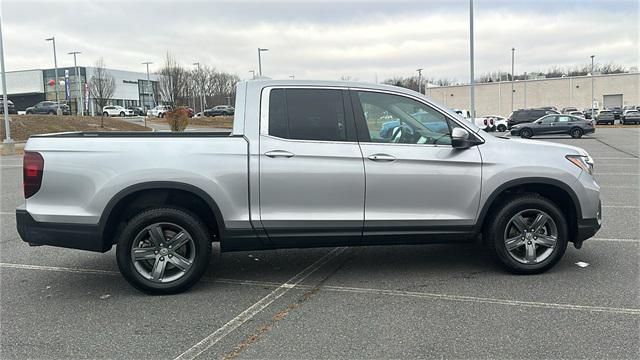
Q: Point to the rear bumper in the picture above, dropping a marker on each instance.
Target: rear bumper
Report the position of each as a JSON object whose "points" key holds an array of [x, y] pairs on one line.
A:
{"points": [[73, 236]]}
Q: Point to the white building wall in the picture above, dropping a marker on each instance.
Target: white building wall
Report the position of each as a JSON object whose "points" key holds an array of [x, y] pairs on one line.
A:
{"points": [[495, 98], [24, 82]]}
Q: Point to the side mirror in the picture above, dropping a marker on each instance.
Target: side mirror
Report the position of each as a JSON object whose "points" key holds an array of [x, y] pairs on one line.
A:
{"points": [[460, 139]]}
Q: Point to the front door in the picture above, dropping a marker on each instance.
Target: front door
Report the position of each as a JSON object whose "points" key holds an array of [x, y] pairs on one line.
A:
{"points": [[311, 170], [417, 185]]}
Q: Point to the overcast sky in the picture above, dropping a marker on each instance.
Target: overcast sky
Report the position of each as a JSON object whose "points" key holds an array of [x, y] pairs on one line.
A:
{"points": [[365, 40]]}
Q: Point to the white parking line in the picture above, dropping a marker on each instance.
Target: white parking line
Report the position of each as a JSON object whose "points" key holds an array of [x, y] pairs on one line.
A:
{"points": [[254, 309], [615, 158], [622, 206], [283, 288], [637, 241]]}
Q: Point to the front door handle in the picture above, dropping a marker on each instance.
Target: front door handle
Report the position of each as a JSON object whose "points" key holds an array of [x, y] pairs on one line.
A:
{"points": [[278, 153], [381, 157]]}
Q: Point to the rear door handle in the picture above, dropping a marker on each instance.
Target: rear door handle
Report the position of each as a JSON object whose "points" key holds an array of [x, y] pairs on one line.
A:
{"points": [[279, 153], [381, 157]]}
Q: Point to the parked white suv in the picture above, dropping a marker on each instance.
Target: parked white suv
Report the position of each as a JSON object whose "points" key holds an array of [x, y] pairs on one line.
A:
{"points": [[159, 111], [115, 110]]}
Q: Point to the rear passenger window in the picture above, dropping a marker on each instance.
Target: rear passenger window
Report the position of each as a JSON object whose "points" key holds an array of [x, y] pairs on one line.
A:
{"points": [[307, 114]]}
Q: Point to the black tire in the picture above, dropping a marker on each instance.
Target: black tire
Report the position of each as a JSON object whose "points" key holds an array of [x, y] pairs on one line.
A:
{"points": [[105, 114], [526, 133], [161, 115], [502, 128], [576, 133], [187, 221], [121, 113], [495, 232], [51, 112], [29, 112]]}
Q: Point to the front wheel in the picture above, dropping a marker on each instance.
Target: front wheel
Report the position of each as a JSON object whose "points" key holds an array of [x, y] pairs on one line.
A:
{"points": [[121, 114], [526, 133], [163, 250], [502, 128], [528, 234], [105, 114], [576, 133]]}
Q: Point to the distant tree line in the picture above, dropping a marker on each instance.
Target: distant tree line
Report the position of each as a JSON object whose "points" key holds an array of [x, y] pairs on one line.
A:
{"points": [[181, 86], [411, 82]]}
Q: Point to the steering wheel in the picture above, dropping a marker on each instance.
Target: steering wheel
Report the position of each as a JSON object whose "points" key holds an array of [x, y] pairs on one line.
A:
{"points": [[402, 134]]}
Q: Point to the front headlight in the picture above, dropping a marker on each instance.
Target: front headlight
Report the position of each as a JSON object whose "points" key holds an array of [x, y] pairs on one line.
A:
{"points": [[584, 162]]}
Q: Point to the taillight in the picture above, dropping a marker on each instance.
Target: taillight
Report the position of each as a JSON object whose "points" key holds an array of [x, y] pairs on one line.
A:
{"points": [[491, 121], [32, 168], [485, 122]]}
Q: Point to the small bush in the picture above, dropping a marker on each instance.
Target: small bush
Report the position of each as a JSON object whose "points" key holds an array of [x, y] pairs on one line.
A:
{"points": [[177, 119]]}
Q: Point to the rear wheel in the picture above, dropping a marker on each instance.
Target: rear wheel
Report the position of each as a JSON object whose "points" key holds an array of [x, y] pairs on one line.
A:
{"points": [[105, 114], [502, 128], [121, 113], [526, 133], [576, 133], [528, 235], [163, 250], [51, 112]]}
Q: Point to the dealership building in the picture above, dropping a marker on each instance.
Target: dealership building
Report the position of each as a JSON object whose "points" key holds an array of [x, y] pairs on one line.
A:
{"points": [[495, 98], [28, 87]]}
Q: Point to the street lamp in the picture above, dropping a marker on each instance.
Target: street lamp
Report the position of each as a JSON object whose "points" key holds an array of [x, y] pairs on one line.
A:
{"points": [[419, 80], [80, 109], [592, 78], [149, 81], [471, 60], [201, 89], [513, 78], [8, 148], [55, 64], [260, 60]]}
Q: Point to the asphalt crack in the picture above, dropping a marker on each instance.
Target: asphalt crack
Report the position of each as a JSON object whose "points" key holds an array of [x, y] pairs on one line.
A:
{"points": [[282, 314]]}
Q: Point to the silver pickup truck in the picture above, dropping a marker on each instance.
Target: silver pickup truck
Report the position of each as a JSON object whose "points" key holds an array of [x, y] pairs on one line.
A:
{"points": [[305, 166]]}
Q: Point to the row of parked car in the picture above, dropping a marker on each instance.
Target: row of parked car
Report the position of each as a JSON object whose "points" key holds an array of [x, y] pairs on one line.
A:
{"points": [[225, 110]]}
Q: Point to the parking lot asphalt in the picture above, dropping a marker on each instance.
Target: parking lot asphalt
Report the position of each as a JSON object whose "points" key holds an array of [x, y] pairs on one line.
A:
{"points": [[432, 301]]}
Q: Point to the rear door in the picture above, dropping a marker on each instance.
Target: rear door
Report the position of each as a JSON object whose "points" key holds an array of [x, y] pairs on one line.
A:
{"points": [[417, 184], [311, 169]]}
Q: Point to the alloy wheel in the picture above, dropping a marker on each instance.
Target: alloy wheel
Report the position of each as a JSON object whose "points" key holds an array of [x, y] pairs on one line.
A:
{"points": [[163, 252], [531, 236]]}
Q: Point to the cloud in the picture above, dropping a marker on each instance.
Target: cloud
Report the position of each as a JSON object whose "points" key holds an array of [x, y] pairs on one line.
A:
{"points": [[324, 40]]}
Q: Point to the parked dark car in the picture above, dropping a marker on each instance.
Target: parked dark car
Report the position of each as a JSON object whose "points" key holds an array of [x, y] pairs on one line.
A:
{"points": [[587, 112], [522, 116], [220, 110], [617, 112], [605, 117], [630, 116], [137, 111], [11, 108], [568, 110], [48, 107], [555, 125]]}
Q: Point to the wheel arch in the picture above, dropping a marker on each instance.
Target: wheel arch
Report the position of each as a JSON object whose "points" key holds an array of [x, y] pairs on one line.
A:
{"points": [[554, 190], [157, 193]]}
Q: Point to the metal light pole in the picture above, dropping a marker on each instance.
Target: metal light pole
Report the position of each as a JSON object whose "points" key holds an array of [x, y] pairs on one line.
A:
{"points": [[150, 87], [8, 147], [202, 92], [419, 80], [592, 94], [513, 77], [80, 109], [260, 60], [253, 74], [55, 64], [525, 89], [471, 58]]}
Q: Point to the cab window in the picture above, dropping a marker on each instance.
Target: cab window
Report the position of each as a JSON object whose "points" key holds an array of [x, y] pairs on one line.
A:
{"points": [[397, 119]]}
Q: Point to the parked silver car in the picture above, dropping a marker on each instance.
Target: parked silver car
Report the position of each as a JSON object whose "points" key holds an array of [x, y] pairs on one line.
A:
{"points": [[292, 173]]}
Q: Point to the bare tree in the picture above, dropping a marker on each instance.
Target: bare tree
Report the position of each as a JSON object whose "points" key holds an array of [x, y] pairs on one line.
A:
{"points": [[102, 85], [173, 82]]}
